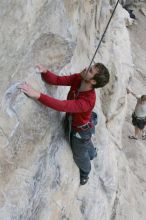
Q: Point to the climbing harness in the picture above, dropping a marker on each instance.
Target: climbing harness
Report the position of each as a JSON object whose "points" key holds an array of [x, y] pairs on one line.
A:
{"points": [[102, 36]]}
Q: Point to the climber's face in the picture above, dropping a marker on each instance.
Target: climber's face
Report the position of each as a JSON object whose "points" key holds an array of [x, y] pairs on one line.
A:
{"points": [[87, 76]]}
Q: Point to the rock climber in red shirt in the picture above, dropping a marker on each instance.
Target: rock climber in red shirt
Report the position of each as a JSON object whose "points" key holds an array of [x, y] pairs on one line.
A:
{"points": [[79, 105]]}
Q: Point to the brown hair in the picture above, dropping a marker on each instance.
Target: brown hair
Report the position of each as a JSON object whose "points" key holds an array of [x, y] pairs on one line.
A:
{"points": [[102, 76], [143, 98]]}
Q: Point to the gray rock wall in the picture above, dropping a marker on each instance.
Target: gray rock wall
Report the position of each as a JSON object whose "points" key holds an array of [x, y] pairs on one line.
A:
{"points": [[38, 177]]}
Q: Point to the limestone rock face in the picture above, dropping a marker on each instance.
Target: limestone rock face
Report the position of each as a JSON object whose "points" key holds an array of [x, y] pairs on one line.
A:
{"points": [[38, 177]]}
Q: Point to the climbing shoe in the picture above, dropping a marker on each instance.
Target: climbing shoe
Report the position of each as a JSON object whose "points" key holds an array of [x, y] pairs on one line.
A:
{"points": [[83, 180]]}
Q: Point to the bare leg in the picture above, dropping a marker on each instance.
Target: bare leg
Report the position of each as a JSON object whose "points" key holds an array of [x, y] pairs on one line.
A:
{"points": [[137, 131], [143, 134]]}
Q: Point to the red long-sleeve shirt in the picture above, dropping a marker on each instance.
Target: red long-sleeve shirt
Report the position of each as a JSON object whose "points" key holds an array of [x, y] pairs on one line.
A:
{"points": [[80, 104]]}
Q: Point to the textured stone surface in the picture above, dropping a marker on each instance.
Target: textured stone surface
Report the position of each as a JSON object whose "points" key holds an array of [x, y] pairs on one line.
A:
{"points": [[38, 177]]}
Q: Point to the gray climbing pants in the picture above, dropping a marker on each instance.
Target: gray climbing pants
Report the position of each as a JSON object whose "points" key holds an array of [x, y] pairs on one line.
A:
{"points": [[82, 147], [83, 150]]}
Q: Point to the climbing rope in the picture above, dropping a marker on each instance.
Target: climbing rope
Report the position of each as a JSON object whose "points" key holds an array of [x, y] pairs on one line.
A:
{"points": [[102, 36]]}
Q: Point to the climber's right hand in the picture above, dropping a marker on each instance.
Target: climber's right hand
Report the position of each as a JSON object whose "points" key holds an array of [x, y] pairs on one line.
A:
{"points": [[29, 91]]}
